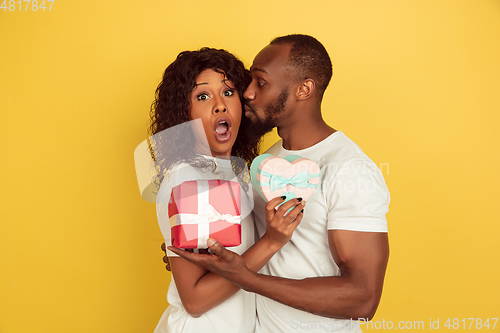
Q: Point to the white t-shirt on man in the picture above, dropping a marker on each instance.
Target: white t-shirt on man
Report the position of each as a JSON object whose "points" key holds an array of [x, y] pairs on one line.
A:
{"points": [[352, 195]]}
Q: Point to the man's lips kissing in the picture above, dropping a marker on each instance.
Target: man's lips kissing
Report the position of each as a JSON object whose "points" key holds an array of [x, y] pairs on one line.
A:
{"points": [[248, 110]]}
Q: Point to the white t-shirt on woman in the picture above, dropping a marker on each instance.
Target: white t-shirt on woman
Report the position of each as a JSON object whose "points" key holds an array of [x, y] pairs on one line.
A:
{"points": [[237, 314]]}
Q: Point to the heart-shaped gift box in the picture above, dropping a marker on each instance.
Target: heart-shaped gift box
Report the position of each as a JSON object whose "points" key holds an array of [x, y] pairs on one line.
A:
{"points": [[292, 176]]}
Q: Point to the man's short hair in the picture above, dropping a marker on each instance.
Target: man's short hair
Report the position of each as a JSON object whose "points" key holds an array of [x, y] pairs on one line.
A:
{"points": [[308, 59]]}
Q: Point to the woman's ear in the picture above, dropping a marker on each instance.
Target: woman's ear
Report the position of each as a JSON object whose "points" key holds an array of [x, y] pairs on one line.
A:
{"points": [[306, 89]]}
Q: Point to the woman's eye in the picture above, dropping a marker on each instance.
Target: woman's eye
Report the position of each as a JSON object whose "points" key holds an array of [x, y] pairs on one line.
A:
{"points": [[202, 97], [260, 83], [228, 93]]}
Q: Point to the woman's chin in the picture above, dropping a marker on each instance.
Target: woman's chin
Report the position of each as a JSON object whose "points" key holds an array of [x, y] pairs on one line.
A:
{"points": [[222, 149]]}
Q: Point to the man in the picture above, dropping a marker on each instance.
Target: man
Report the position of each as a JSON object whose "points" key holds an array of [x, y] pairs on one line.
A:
{"points": [[333, 268]]}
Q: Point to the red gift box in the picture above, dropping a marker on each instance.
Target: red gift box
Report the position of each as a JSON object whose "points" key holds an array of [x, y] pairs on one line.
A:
{"points": [[202, 209]]}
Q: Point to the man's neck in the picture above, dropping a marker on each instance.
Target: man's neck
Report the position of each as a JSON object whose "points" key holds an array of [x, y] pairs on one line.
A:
{"points": [[304, 133]]}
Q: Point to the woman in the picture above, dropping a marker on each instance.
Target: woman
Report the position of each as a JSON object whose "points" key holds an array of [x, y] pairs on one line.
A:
{"points": [[199, 132]]}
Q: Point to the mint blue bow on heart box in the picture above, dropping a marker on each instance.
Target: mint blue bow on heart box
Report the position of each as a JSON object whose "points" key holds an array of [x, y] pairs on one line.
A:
{"points": [[292, 176]]}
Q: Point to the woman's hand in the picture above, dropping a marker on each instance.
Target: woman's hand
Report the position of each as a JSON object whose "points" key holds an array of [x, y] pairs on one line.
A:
{"points": [[280, 227]]}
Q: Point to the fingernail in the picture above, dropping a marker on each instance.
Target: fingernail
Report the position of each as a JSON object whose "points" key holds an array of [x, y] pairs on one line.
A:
{"points": [[210, 241], [299, 199], [302, 211], [283, 197]]}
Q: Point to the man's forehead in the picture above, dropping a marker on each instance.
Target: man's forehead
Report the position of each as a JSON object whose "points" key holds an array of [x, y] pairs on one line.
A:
{"points": [[271, 57]]}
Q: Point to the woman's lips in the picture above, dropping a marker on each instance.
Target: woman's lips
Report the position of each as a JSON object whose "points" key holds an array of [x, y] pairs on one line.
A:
{"points": [[220, 120], [222, 129]]}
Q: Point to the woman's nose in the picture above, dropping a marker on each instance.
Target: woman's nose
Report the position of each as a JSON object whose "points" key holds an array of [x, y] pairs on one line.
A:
{"points": [[217, 110], [219, 105]]}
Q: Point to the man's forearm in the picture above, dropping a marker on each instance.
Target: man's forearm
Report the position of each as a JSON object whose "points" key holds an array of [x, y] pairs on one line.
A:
{"points": [[361, 257], [335, 297]]}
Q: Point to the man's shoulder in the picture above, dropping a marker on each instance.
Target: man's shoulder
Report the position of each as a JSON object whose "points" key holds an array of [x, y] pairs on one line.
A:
{"points": [[340, 149]]}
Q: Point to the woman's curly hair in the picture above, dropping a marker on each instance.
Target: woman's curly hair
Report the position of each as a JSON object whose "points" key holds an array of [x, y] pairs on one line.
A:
{"points": [[171, 104]]}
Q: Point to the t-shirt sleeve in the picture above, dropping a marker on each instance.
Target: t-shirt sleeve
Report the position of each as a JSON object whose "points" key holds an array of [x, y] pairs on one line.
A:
{"points": [[174, 177], [357, 197], [162, 200]]}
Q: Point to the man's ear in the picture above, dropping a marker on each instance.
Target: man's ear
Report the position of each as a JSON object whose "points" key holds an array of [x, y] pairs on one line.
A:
{"points": [[306, 89]]}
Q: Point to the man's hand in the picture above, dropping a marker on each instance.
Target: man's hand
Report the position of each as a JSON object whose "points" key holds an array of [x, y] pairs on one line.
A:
{"points": [[224, 262], [232, 266], [167, 261]]}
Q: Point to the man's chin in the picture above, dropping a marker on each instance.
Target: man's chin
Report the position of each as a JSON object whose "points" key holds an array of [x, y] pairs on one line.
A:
{"points": [[260, 128], [254, 119], [251, 116]]}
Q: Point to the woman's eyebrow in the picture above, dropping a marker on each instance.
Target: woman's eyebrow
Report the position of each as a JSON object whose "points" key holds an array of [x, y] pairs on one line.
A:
{"points": [[228, 83], [199, 84]]}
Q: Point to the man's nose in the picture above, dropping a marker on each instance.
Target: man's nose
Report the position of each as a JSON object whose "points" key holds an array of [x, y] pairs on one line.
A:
{"points": [[249, 93]]}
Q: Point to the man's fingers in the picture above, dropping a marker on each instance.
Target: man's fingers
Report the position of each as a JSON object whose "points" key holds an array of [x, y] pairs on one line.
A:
{"points": [[218, 248], [177, 251], [163, 247], [205, 260], [165, 259], [188, 254]]}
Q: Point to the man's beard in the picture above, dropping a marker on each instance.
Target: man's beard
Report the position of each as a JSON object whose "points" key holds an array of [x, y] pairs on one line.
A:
{"points": [[271, 112]]}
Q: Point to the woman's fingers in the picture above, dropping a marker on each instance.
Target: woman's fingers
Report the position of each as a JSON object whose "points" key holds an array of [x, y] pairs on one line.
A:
{"points": [[271, 207], [297, 202], [294, 217]]}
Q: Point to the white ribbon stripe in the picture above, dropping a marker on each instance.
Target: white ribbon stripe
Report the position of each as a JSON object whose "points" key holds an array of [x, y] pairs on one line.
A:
{"points": [[208, 215]]}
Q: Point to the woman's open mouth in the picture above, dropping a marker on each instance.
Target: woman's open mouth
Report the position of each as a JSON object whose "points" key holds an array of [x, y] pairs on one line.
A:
{"points": [[222, 129]]}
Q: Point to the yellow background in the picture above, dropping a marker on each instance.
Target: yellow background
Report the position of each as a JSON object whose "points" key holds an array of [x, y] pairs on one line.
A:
{"points": [[416, 86]]}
